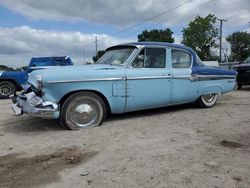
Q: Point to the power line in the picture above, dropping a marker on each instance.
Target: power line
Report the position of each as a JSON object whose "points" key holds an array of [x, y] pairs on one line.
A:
{"points": [[169, 18], [153, 17], [237, 13], [156, 16], [96, 45], [143, 21]]}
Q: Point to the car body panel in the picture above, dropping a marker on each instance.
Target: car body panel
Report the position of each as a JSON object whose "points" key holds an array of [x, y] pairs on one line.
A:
{"points": [[19, 77]]}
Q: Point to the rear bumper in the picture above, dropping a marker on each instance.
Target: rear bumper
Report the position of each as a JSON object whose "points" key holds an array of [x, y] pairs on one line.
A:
{"points": [[33, 105]]}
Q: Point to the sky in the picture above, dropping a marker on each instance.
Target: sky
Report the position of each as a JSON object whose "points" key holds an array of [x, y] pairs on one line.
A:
{"points": [[30, 28]]}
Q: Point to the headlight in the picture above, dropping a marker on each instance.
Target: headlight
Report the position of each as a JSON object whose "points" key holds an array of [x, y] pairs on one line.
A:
{"points": [[39, 82]]}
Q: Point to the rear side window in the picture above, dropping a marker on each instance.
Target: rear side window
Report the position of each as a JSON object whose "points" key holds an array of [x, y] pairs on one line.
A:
{"points": [[150, 58], [180, 59]]}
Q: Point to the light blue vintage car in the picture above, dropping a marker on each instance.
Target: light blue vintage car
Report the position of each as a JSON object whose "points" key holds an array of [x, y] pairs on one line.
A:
{"points": [[128, 77]]}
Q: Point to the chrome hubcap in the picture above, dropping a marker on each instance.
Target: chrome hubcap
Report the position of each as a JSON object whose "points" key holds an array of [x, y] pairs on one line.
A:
{"points": [[209, 98], [83, 115], [5, 90]]}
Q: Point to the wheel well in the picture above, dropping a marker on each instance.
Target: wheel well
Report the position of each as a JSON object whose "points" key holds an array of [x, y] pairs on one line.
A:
{"points": [[17, 86], [64, 98]]}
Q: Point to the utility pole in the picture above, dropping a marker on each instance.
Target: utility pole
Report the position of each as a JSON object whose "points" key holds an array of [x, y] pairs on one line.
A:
{"points": [[96, 45], [84, 55], [221, 22]]}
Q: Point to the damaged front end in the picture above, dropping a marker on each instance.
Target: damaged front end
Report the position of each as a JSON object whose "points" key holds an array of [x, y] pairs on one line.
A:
{"points": [[30, 102]]}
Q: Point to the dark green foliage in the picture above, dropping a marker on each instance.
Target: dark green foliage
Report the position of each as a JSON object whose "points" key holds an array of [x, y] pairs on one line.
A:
{"points": [[99, 54], [240, 45], [201, 35], [157, 35], [5, 68]]}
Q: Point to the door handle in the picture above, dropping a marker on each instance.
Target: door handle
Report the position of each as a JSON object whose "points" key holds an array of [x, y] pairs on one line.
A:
{"points": [[168, 76]]}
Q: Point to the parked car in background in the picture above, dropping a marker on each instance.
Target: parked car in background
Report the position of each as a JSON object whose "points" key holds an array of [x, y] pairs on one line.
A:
{"points": [[12, 81], [243, 69], [128, 77]]}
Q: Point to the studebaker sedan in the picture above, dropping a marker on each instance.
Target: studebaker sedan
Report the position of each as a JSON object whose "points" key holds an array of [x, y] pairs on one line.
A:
{"points": [[128, 77]]}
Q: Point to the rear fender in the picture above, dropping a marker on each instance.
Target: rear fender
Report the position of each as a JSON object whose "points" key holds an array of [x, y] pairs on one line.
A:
{"points": [[211, 90]]}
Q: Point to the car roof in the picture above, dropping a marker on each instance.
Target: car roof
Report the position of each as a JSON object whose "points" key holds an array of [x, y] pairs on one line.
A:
{"points": [[149, 43]]}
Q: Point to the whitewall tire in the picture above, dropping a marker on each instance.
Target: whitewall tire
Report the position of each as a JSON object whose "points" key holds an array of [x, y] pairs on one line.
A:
{"points": [[207, 101]]}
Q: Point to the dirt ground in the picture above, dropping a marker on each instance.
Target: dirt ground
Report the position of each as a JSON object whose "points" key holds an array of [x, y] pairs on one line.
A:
{"points": [[180, 146]]}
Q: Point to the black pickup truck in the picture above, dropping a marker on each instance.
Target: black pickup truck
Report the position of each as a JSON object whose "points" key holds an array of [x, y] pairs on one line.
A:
{"points": [[243, 69]]}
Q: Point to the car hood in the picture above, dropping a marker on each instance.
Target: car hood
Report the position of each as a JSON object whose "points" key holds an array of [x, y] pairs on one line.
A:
{"points": [[76, 73]]}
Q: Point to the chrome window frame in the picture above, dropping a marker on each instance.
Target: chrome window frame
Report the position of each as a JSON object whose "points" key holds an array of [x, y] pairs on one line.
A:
{"points": [[142, 47], [183, 50]]}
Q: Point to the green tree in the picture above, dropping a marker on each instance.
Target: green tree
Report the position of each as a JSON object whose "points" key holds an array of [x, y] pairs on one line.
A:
{"points": [[157, 35], [6, 68], [201, 35], [240, 45], [98, 55]]}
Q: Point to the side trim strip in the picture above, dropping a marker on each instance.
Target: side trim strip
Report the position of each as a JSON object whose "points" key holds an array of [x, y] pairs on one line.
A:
{"points": [[196, 77], [148, 77], [85, 80], [187, 77], [223, 76], [110, 79]]}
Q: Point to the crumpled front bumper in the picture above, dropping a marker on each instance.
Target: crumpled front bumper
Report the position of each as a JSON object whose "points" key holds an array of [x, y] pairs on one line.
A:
{"points": [[33, 105]]}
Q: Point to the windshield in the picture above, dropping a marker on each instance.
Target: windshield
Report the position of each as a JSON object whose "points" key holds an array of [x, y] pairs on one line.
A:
{"points": [[116, 56], [247, 60]]}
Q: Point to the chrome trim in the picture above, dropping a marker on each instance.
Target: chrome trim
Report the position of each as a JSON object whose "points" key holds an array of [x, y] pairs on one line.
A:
{"points": [[228, 76], [34, 106], [196, 77], [213, 77], [85, 80], [139, 49], [185, 77], [148, 77], [183, 50]]}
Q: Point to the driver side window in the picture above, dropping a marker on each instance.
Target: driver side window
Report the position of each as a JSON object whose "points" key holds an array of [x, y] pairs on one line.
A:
{"points": [[150, 58]]}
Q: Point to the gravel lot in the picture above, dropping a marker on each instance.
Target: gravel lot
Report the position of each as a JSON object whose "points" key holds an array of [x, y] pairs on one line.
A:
{"points": [[180, 146]]}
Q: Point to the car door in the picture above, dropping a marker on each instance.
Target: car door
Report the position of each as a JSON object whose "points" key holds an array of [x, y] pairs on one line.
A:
{"points": [[184, 88], [148, 81]]}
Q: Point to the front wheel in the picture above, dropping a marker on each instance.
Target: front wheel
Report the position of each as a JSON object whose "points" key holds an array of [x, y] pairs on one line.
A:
{"points": [[6, 89], [82, 110], [207, 101]]}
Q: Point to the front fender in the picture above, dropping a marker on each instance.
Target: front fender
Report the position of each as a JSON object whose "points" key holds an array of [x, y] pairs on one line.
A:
{"points": [[115, 96]]}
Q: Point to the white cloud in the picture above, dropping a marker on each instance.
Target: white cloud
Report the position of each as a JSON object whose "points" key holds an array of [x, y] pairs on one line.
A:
{"points": [[19, 44], [118, 12]]}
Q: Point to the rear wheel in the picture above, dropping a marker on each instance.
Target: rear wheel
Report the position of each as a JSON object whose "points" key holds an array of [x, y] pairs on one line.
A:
{"points": [[82, 110], [207, 101], [6, 89]]}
